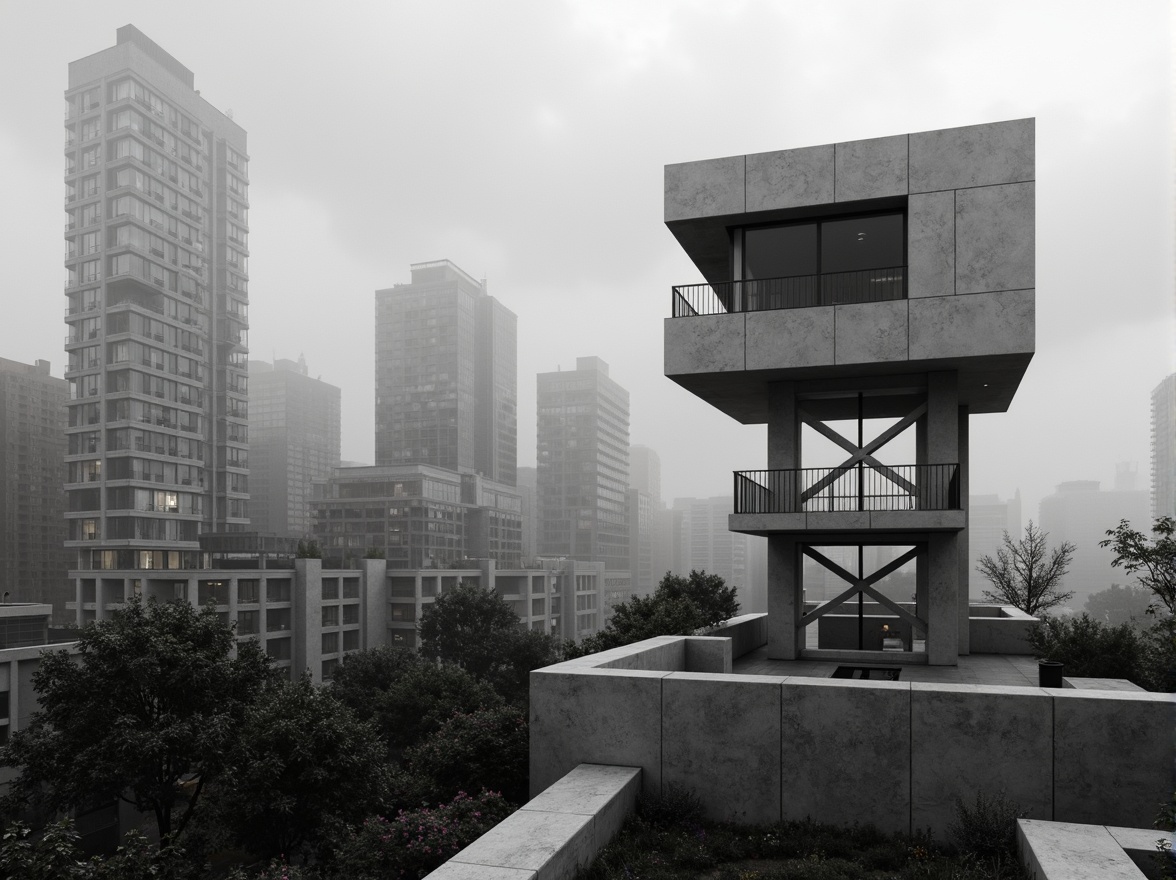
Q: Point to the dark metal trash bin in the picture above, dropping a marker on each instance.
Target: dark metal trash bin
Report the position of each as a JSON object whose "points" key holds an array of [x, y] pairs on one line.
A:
{"points": [[1049, 674]]}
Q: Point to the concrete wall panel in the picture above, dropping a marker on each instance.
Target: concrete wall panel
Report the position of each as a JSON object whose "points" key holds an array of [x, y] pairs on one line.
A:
{"points": [[871, 332], [790, 338], [709, 188], [971, 738], [972, 326], [931, 244], [596, 716], [995, 238], [974, 155], [790, 178], [712, 344], [846, 751], [1128, 781], [721, 738], [871, 169]]}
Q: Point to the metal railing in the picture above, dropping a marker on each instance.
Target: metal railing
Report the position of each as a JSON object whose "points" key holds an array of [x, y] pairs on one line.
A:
{"points": [[861, 487], [795, 292]]}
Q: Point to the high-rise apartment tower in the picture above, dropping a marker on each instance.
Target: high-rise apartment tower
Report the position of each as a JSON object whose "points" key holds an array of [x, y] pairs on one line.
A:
{"points": [[583, 465], [446, 375], [156, 197]]}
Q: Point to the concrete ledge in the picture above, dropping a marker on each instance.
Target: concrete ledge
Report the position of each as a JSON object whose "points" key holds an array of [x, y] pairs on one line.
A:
{"points": [[746, 632], [809, 523], [1067, 851], [1005, 632], [556, 833]]}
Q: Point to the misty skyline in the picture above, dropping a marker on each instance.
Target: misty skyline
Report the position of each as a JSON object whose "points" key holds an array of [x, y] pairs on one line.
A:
{"points": [[525, 142]]}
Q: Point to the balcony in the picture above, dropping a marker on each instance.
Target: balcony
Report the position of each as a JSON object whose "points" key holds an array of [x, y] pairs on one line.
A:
{"points": [[898, 498], [795, 292]]}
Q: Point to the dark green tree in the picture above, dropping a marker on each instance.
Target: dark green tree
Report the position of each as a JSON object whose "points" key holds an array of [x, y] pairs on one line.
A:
{"points": [[405, 697], [302, 769], [1091, 649], [484, 750], [1117, 605], [146, 712], [478, 631], [1151, 560], [308, 548], [1026, 574], [679, 606]]}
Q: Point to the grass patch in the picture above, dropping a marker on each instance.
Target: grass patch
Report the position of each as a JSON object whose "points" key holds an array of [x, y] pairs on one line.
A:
{"points": [[669, 840]]}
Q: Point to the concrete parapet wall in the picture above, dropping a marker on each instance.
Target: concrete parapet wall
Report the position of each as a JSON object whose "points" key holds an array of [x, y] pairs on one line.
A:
{"points": [[556, 833], [1006, 633], [746, 632], [762, 748]]}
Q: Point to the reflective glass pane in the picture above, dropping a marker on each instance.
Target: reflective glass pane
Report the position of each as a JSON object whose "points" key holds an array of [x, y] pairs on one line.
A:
{"points": [[862, 243], [780, 251]]}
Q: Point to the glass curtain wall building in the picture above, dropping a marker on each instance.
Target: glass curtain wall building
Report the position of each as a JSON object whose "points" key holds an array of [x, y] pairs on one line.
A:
{"points": [[156, 260]]}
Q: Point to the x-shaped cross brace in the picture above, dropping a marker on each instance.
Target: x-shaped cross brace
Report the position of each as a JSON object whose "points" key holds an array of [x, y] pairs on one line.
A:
{"points": [[862, 585], [864, 454]]}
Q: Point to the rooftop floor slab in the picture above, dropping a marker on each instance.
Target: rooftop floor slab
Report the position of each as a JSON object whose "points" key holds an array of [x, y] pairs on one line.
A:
{"points": [[1008, 670]]}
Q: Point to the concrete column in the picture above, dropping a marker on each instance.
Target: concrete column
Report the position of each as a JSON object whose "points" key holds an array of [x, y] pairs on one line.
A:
{"points": [[785, 598], [373, 593], [962, 540], [783, 427], [943, 631], [943, 418], [922, 583], [307, 626]]}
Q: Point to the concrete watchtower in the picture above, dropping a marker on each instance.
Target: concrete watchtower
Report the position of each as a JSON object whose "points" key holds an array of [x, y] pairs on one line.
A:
{"points": [[890, 278]]}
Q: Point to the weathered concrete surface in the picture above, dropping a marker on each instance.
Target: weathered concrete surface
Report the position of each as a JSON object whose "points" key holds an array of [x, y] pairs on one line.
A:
{"points": [[1131, 734], [1006, 634], [959, 327], [597, 716], [746, 632], [708, 654], [995, 238], [846, 751], [606, 794], [931, 245], [552, 845], [790, 178], [733, 767], [704, 189], [704, 344], [875, 520], [867, 333], [871, 169], [1066, 851], [974, 738], [790, 338], [973, 155]]}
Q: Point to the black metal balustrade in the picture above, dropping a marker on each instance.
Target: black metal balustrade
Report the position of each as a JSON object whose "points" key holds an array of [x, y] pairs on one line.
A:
{"points": [[861, 487], [796, 292]]}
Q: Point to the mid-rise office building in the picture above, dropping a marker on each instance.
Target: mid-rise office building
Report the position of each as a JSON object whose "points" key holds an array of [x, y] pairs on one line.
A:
{"points": [[528, 497], [446, 375], [989, 518], [33, 559], [1163, 448], [416, 516], [294, 431], [156, 198], [645, 473], [641, 526], [583, 465], [1081, 512]]}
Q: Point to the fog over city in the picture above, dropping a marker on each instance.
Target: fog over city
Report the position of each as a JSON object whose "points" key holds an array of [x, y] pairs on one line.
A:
{"points": [[526, 141]]}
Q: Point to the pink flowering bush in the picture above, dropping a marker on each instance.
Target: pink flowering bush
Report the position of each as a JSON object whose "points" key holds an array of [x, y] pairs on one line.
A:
{"points": [[414, 842]]}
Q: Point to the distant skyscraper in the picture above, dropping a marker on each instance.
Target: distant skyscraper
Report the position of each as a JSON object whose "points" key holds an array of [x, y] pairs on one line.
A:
{"points": [[706, 542], [33, 558], [446, 375], [641, 527], [988, 519], [156, 188], [583, 465], [1163, 448], [529, 498], [645, 473], [293, 443], [1081, 514]]}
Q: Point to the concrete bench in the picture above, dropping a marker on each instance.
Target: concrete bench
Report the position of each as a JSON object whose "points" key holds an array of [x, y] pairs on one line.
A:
{"points": [[555, 833], [1070, 851]]}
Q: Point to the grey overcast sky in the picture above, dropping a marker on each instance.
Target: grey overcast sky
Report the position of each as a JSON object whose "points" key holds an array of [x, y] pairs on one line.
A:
{"points": [[525, 141]]}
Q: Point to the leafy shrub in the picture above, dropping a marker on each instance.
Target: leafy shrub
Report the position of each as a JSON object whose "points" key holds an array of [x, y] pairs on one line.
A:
{"points": [[988, 827], [1091, 649], [483, 749], [417, 841]]}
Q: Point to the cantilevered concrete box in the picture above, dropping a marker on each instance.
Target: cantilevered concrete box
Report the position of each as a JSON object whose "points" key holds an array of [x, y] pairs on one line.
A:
{"points": [[889, 278]]}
